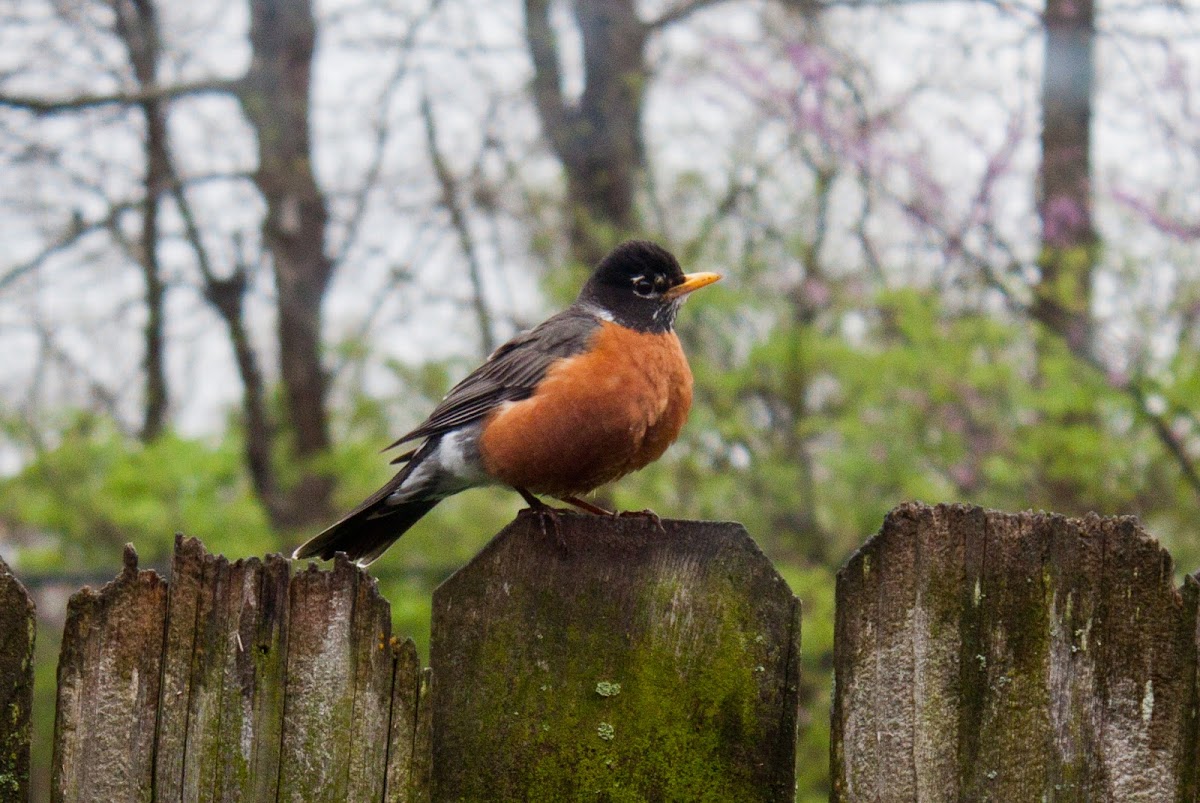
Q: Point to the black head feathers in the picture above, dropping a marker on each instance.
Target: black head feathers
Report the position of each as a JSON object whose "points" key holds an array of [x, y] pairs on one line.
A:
{"points": [[640, 285]]}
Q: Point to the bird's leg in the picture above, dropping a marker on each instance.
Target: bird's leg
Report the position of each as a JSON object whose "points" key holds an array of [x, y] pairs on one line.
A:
{"points": [[544, 512], [531, 500], [583, 504]]}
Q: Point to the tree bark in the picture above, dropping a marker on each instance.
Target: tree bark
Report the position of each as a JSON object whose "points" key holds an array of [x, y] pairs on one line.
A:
{"points": [[275, 97], [1063, 295], [1068, 253], [598, 139], [458, 219], [137, 25]]}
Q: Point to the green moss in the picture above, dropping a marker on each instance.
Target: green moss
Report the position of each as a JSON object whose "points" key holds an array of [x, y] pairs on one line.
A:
{"points": [[660, 726]]}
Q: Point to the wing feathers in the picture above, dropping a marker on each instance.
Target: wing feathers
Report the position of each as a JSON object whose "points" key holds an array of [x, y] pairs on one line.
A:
{"points": [[512, 372]]}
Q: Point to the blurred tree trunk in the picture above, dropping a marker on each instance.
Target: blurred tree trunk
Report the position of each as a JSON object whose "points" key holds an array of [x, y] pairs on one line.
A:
{"points": [[1063, 294], [598, 138], [275, 97], [137, 25], [1068, 252]]}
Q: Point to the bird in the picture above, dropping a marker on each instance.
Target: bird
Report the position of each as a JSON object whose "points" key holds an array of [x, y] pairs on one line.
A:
{"points": [[593, 393]]}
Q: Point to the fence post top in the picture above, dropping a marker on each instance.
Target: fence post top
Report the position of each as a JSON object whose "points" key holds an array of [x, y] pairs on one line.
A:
{"points": [[586, 538]]}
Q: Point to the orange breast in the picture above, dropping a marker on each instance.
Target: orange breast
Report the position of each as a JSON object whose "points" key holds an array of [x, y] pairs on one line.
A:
{"points": [[595, 417]]}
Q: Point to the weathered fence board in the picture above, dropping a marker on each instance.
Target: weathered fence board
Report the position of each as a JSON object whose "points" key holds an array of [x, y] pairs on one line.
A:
{"points": [[990, 656], [221, 712], [978, 656], [404, 782], [272, 688], [627, 662], [108, 684], [417, 764], [16, 685]]}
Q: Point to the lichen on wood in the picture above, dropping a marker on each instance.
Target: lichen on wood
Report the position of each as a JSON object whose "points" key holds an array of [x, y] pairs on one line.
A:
{"points": [[991, 656], [236, 682], [221, 711], [17, 626], [532, 639], [108, 688], [339, 687]]}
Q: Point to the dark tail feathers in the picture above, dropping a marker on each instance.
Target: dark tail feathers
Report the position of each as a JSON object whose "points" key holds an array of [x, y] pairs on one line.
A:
{"points": [[366, 532]]}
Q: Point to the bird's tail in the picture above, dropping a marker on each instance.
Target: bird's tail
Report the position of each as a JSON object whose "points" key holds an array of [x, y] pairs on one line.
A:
{"points": [[365, 532]]}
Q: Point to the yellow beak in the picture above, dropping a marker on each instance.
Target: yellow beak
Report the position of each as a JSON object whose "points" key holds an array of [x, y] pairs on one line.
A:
{"points": [[692, 281]]}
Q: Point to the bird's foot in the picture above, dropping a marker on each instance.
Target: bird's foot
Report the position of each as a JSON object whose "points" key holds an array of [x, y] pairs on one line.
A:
{"points": [[583, 504], [644, 514], [545, 513]]}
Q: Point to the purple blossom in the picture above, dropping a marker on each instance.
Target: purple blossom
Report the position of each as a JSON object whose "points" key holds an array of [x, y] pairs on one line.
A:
{"points": [[1063, 218], [1164, 223]]}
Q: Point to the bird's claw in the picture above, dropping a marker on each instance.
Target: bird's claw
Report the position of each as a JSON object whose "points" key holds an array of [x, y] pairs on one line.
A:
{"points": [[545, 513], [644, 514]]}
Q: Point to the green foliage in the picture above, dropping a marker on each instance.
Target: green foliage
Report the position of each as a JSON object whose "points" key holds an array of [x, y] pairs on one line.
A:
{"points": [[97, 489], [809, 436], [814, 586]]}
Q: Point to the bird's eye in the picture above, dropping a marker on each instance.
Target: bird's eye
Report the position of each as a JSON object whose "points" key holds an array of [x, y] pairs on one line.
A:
{"points": [[643, 287]]}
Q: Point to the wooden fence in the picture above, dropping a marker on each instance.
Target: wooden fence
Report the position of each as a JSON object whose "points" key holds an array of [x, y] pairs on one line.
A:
{"points": [[979, 656], [991, 656], [614, 658]]}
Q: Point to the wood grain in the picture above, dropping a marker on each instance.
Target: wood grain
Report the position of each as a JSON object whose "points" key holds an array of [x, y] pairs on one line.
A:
{"points": [[990, 656], [629, 662], [17, 629], [340, 669], [221, 712], [108, 689]]}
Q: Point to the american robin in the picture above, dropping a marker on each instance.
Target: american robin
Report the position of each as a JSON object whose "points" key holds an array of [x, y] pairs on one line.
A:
{"points": [[597, 391]]}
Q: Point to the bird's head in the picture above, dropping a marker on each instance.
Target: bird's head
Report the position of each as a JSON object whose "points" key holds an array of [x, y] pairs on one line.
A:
{"points": [[640, 285]]}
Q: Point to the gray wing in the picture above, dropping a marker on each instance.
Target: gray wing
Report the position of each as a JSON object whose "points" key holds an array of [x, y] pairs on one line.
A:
{"points": [[511, 373]]}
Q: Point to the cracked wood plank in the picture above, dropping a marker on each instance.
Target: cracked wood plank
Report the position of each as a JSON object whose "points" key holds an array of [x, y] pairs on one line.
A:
{"points": [[108, 689], [340, 668], [236, 682], [991, 656], [222, 704]]}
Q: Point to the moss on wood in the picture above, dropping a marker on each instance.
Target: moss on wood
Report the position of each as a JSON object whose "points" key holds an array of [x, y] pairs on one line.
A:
{"points": [[633, 665], [17, 630]]}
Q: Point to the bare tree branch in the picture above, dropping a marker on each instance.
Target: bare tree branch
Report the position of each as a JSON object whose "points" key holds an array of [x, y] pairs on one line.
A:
{"points": [[679, 12], [137, 25], [141, 95], [1134, 387], [76, 232], [383, 105], [227, 296], [104, 396], [458, 219]]}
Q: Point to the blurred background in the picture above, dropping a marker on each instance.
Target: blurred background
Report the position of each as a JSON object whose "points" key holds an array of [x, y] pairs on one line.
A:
{"points": [[247, 243]]}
